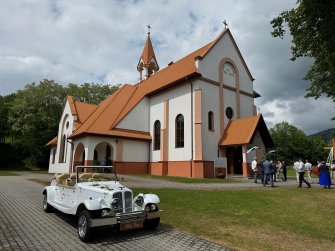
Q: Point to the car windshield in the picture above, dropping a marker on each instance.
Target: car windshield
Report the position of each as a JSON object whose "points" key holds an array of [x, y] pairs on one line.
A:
{"points": [[96, 173]]}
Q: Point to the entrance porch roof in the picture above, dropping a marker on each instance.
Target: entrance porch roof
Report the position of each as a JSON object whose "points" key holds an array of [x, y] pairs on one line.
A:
{"points": [[242, 132]]}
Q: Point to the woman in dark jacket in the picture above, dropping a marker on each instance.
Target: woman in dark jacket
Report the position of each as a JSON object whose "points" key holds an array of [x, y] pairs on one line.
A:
{"points": [[324, 175]]}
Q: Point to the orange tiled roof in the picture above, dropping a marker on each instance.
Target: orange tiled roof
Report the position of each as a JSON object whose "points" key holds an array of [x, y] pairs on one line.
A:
{"points": [[84, 110], [112, 110], [99, 122], [52, 142], [242, 132], [130, 134]]}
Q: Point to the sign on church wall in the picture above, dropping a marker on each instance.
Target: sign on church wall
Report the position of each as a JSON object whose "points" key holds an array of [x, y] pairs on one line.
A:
{"points": [[229, 75]]}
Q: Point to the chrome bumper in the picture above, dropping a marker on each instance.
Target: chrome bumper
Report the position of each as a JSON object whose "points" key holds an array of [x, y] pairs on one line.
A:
{"points": [[125, 218]]}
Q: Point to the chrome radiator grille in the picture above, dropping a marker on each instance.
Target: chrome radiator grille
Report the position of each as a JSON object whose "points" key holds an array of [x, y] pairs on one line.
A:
{"points": [[126, 201]]}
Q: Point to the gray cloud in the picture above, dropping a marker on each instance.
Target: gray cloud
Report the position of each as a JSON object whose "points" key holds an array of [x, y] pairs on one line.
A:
{"points": [[100, 41]]}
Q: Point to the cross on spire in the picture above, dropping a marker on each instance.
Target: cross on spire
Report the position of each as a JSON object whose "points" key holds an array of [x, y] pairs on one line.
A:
{"points": [[225, 24], [149, 27]]}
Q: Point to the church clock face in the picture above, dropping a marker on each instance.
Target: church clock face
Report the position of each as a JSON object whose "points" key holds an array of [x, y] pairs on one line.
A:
{"points": [[229, 75]]}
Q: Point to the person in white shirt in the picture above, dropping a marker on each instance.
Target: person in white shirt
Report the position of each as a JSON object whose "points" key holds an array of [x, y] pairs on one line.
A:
{"points": [[295, 168], [308, 168], [254, 169], [301, 172]]}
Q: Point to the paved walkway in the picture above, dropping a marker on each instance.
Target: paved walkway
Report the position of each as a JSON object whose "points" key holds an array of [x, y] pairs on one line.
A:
{"points": [[24, 225], [133, 181]]}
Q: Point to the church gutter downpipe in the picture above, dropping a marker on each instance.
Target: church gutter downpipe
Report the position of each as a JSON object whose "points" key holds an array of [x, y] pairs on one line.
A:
{"points": [[191, 128]]}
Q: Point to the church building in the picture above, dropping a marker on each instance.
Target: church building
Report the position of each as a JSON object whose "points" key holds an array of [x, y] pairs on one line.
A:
{"points": [[175, 121]]}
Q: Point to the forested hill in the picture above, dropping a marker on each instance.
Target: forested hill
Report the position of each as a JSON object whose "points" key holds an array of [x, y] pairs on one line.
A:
{"points": [[326, 135]]}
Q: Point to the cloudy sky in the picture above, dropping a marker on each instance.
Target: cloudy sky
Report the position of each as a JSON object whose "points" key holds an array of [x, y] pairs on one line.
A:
{"points": [[77, 41]]}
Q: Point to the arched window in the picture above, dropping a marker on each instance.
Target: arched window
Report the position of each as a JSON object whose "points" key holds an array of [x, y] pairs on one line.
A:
{"points": [[53, 155], [62, 150], [157, 135], [211, 121], [180, 131]]}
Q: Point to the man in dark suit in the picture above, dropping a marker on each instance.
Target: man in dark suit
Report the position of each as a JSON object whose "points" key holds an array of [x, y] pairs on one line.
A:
{"points": [[267, 167]]}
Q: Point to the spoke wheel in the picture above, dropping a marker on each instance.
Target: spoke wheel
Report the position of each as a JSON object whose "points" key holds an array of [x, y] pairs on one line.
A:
{"points": [[46, 207], [84, 228]]}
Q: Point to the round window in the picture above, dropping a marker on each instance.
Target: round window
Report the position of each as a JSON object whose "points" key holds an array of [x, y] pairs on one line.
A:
{"points": [[229, 112]]}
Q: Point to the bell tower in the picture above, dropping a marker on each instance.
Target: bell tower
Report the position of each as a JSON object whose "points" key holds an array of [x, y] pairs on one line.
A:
{"points": [[148, 62]]}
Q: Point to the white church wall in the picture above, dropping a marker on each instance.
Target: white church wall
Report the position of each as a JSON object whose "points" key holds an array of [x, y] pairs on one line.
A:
{"points": [[210, 102], [246, 106], [137, 118], [66, 119], [179, 103], [135, 151], [156, 113], [229, 100], [224, 48], [92, 142], [132, 150]]}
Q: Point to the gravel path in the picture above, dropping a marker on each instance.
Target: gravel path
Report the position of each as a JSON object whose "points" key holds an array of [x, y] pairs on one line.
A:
{"points": [[133, 181]]}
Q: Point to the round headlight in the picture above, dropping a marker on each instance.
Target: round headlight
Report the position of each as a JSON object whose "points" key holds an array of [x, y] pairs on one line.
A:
{"points": [[104, 213], [115, 203], [139, 201], [153, 207]]}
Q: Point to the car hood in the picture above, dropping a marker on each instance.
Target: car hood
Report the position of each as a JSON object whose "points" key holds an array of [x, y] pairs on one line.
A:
{"points": [[103, 186]]}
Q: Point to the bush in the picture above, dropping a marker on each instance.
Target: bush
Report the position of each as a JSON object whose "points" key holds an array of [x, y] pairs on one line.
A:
{"points": [[11, 156]]}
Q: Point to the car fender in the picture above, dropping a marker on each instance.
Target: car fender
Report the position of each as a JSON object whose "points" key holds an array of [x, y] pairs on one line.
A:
{"points": [[150, 198], [95, 204], [50, 192]]}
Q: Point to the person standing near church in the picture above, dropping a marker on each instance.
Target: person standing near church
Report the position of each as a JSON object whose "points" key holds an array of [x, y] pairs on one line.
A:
{"points": [[268, 172], [295, 168], [301, 172], [324, 175], [254, 169], [308, 168]]}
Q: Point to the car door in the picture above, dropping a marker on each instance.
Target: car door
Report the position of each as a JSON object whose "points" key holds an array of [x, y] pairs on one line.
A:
{"points": [[69, 196]]}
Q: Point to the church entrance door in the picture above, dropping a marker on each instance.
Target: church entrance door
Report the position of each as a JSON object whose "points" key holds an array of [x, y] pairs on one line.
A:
{"points": [[234, 160]]}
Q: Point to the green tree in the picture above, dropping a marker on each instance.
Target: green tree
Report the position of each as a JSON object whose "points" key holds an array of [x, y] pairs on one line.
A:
{"points": [[4, 128], [33, 117], [90, 92], [311, 25], [34, 114], [315, 150], [292, 143]]}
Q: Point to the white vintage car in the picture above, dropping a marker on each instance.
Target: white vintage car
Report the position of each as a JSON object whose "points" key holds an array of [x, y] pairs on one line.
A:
{"points": [[96, 196]]}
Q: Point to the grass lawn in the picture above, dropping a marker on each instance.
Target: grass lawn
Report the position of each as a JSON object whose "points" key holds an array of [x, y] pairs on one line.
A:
{"points": [[254, 219], [16, 171], [251, 219], [185, 180], [8, 173]]}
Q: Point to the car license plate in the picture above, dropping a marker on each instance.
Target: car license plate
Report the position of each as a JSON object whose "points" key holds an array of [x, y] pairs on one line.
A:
{"points": [[131, 225]]}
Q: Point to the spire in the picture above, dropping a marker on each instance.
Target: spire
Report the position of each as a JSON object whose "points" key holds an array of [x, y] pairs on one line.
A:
{"points": [[148, 61]]}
